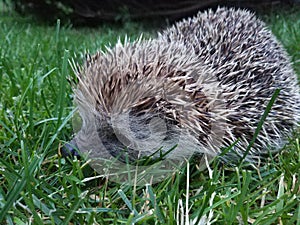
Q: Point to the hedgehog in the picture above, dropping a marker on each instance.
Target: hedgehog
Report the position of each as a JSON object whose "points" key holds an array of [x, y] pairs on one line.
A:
{"points": [[200, 85]]}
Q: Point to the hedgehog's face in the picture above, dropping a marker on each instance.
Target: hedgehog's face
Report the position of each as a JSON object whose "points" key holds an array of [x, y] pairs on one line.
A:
{"points": [[135, 135], [139, 130]]}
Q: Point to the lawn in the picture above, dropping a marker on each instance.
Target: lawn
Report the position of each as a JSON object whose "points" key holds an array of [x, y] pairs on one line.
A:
{"points": [[38, 186]]}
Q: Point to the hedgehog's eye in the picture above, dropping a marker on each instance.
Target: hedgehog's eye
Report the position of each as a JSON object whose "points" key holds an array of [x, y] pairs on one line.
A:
{"points": [[139, 125]]}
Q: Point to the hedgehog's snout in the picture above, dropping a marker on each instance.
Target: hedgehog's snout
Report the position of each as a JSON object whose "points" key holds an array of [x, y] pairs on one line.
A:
{"points": [[70, 149]]}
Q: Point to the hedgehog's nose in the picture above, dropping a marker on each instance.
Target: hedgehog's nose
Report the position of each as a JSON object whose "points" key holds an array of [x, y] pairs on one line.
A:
{"points": [[70, 149]]}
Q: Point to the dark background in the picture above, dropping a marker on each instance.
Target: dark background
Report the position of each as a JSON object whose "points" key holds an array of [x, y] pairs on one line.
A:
{"points": [[93, 12]]}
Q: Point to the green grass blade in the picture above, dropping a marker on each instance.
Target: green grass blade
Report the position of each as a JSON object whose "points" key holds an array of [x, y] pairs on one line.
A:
{"points": [[260, 124], [60, 106], [13, 194], [127, 202], [74, 208], [154, 204]]}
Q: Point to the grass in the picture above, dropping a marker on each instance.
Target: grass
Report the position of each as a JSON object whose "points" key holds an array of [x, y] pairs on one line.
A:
{"points": [[37, 186]]}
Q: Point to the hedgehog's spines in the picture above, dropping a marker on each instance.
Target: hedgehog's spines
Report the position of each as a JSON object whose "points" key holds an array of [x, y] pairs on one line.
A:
{"points": [[212, 75]]}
